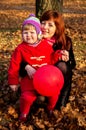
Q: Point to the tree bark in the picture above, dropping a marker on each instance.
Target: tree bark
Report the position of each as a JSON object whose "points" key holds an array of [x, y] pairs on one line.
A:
{"points": [[43, 5]]}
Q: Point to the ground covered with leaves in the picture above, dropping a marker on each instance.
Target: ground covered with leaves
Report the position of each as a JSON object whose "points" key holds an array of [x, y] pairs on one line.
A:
{"points": [[73, 116]]}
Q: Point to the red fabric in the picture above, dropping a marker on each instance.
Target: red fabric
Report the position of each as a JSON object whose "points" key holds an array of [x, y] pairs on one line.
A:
{"points": [[29, 95], [52, 102], [26, 84], [35, 56], [55, 56], [26, 100]]}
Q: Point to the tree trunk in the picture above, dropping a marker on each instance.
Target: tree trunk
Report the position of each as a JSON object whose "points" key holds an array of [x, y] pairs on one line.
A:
{"points": [[43, 5]]}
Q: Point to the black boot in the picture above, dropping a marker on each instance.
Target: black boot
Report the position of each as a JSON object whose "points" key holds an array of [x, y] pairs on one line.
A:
{"points": [[64, 96]]}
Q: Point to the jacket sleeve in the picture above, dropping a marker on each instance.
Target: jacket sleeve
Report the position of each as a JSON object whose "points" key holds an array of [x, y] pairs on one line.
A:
{"points": [[13, 71], [72, 58], [56, 56]]}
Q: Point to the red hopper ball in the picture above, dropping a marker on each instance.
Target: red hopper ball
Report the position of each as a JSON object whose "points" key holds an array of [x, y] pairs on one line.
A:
{"points": [[48, 80]]}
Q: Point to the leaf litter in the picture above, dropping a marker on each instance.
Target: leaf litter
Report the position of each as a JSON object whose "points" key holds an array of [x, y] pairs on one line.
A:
{"points": [[73, 116]]}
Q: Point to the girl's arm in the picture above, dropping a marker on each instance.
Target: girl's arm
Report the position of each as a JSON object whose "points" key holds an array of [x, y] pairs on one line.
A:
{"points": [[56, 56], [72, 58], [64, 53], [30, 71], [13, 71]]}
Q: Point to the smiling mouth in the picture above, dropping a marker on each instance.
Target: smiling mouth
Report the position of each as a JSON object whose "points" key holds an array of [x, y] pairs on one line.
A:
{"points": [[44, 32], [28, 39]]}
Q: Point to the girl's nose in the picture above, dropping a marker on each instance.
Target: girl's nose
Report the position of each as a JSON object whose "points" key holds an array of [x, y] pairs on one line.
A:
{"points": [[45, 26], [28, 34]]}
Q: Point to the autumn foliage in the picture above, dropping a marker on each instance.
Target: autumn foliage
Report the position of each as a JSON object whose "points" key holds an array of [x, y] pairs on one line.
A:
{"points": [[73, 116]]}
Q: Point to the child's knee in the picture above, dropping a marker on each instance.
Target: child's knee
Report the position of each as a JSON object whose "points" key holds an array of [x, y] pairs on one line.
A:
{"points": [[29, 97]]}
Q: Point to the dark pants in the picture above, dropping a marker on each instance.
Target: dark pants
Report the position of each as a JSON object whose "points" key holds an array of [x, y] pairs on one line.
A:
{"points": [[65, 92]]}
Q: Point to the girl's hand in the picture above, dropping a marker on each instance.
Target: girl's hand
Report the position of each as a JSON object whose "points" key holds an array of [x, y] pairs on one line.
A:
{"points": [[30, 71], [14, 87], [65, 55]]}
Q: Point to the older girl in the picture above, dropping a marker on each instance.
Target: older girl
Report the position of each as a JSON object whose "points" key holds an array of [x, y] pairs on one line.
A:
{"points": [[53, 29]]}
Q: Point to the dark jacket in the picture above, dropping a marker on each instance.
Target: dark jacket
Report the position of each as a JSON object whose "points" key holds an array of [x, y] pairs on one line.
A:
{"points": [[71, 63]]}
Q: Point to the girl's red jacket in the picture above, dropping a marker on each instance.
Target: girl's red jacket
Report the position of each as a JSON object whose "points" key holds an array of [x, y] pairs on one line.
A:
{"points": [[36, 56]]}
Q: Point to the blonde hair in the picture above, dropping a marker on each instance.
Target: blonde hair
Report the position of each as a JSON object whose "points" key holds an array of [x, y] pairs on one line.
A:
{"points": [[28, 26]]}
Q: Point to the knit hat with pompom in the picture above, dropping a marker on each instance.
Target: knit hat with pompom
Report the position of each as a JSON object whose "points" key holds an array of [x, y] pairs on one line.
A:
{"points": [[33, 21]]}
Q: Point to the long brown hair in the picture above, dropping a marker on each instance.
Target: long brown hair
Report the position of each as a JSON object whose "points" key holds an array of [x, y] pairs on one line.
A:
{"points": [[60, 27]]}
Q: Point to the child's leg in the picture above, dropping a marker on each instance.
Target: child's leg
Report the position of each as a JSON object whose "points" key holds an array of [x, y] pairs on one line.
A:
{"points": [[28, 96], [26, 100], [52, 102], [26, 84], [53, 99]]}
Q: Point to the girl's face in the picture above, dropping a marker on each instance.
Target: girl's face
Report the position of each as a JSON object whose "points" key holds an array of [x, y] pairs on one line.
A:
{"points": [[48, 28], [30, 35]]}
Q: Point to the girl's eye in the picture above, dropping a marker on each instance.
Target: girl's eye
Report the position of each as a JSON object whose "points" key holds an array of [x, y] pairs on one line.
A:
{"points": [[51, 25], [32, 32], [24, 32]]}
